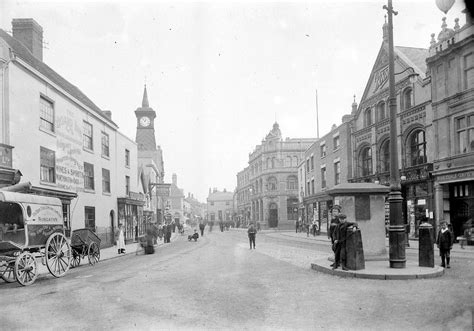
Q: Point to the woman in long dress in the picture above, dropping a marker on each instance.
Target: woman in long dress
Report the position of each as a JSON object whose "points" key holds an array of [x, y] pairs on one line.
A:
{"points": [[121, 240]]}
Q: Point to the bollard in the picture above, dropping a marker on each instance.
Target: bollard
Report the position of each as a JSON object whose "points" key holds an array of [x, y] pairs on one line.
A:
{"points": [[425, 247], [354, 250]]}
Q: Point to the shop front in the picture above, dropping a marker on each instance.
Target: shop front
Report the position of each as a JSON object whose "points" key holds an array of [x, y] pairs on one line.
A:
{"points": [[316, 209], [455, 193], [130, 215]]}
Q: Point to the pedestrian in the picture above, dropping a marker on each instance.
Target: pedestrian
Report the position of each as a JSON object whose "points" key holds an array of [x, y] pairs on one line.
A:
{"points": [[467, 234], [252, 232], [120, 240], [335, 211], [341, 233], [297, 223], [201, 227], [444, 243], [315, 227]]}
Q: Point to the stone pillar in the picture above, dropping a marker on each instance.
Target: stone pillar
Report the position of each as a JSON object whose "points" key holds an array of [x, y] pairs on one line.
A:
{"points": [[425, 248], [438, 202]]}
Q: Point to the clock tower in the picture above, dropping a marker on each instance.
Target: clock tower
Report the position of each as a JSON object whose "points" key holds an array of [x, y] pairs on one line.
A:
{"points": [[145, 137]]}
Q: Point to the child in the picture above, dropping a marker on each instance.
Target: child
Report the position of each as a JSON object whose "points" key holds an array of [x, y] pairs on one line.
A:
{"points": [[444, 243]]}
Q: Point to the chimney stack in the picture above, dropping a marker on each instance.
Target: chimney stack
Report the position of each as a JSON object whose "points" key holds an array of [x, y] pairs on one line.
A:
{"points": [[107, 114], [30, 34]]}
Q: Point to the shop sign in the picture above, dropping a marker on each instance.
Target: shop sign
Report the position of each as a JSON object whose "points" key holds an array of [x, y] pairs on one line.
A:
{"points": [[456, 176], [137, 196]]}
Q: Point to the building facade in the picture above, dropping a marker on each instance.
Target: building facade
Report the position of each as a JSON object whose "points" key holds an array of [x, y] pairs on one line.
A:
{"points": [[220, 206], [269, 185], [325, 164], [64, 145], [414, 117], [451, 66], [176, 201]]}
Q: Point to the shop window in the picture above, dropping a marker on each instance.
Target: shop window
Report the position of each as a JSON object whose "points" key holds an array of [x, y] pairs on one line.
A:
{"points": [[88, 176], [465, 134], [47, 165], [384, 156], [87, 137], [417, 148], [46, 115]]}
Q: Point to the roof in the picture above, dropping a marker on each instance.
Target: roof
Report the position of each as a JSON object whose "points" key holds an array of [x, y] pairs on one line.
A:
{"points": [[417, 57], [24, 53], [7, 196]]}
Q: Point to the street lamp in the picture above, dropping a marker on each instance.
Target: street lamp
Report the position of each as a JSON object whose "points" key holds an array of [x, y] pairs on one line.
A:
{"points": [[396, 230]]}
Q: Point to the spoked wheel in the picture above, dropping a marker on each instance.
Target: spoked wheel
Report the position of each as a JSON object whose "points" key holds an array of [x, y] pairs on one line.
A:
{"points": [[58, 254], [93, 253], [7, 272], [76, 259], [26, 269]]}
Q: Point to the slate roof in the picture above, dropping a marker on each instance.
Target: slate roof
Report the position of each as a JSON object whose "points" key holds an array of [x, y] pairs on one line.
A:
{"points": [[417, 56], [24, 53]]}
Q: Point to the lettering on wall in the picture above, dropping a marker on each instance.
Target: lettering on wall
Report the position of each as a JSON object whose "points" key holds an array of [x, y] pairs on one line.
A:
{"points": [[69, 171]]}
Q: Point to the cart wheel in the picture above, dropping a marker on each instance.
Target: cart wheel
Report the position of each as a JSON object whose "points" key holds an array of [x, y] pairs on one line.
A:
{"points": [[76, 259], [58, 254], [7, 273], [26, 269], [93, 253]]}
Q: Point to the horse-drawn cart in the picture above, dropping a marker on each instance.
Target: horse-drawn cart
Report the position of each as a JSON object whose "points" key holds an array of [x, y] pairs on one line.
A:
{"points": [[84, 242], [31, 228]]}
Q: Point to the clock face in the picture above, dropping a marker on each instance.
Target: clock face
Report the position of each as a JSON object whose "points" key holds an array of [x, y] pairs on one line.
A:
{"points": [[144, 121]]}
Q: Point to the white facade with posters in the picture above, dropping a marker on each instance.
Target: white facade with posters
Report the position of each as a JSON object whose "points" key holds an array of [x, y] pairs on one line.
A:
{"points": [[63, 144]]}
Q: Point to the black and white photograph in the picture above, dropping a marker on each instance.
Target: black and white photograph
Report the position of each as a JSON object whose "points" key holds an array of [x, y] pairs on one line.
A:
{"points": [[237, 165]]}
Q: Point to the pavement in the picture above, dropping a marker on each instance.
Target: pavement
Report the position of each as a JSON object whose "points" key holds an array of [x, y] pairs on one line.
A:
{"points": [[376, 269]]}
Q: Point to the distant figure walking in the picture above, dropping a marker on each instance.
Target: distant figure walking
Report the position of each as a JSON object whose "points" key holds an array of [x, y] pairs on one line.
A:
{"points": [[201, 227], [252, 232], [445, 243], [121, 240]]}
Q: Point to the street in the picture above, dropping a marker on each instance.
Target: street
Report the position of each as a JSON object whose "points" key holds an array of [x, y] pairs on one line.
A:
{"points": [[219, 283]]}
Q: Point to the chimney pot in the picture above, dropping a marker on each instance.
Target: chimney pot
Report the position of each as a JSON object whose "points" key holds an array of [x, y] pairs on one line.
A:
{"points": [[30, 34]]}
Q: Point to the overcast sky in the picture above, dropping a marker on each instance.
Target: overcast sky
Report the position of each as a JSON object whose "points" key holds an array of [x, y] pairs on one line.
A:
{"points": [[219, 74]]}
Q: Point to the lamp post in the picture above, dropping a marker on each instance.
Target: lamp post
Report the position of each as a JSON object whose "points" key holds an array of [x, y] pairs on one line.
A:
{"points": [[396, 230]]}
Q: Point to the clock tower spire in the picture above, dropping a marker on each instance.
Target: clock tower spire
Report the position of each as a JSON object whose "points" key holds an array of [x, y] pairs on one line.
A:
{"points": [[145, 137]]}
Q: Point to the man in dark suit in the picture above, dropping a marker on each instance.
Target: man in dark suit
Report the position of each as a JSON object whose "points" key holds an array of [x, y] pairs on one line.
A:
{"points": [[444, 243], [340, 235]]}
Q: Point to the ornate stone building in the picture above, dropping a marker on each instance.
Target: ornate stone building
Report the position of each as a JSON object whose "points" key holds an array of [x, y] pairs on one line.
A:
{"points": [[451, 65], [267, 190], [371, 130]]}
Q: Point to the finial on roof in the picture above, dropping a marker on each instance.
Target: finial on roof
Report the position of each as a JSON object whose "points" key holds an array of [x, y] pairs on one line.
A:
{"points": [[433, 41], [145, 103], [445, 32], [385, 30], [456, 24], [354, 106]]}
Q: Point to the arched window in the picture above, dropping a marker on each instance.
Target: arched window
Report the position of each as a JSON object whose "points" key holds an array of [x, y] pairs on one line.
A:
{"points": [[292, 183], [365, 161], [381, 111], [273, 162], [416, 148], [407, 98], [368, 117], [288, 161], [272, 184], [384, 156], [269, 163], [295, 161]]}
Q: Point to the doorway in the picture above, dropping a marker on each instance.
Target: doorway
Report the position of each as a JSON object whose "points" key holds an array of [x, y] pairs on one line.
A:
{"points": [[112, 228], [273, 215]]}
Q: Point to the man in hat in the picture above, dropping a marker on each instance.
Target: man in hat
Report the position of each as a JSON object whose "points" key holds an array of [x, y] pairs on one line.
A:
{"points": [[335, 211], [340, 235], [444, 243]]}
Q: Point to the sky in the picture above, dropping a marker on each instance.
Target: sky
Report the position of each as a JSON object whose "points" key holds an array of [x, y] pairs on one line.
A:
{"points": [[219, 74]]}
